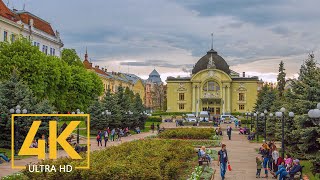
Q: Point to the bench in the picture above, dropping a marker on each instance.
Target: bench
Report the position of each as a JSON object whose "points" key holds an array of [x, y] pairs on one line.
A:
{"points": [[291, 177], [202, 159]]}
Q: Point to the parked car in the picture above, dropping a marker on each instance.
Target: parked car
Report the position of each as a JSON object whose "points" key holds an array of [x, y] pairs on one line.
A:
{"points": [[191, 118], [227, 118], [204, 116]]}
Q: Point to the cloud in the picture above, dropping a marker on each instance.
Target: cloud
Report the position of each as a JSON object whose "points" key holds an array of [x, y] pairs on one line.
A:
{"points": [[174, 35]]}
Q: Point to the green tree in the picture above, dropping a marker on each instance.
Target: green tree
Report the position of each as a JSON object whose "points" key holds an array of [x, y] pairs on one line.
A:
{"points": [[304, 95], [281, 79], [70, 56], [15, 92]]}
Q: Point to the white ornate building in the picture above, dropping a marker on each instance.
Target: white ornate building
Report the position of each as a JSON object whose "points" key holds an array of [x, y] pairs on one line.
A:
{"points": [[14, 23]]}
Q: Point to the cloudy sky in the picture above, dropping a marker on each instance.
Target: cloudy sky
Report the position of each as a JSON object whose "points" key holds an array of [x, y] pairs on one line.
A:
{"points": [[171, 35]]}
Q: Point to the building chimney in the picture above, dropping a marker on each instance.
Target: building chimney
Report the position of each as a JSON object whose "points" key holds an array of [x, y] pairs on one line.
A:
{"points": [[102, 69], [243, 74], [105, 70], [96, 66], [31, 22]]}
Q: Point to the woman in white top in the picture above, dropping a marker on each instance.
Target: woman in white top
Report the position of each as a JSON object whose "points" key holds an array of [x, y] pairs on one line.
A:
{"points": [[275, 156]]}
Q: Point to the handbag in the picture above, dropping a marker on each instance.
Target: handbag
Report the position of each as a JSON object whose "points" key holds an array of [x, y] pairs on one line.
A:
{"points": [[229, 167]]}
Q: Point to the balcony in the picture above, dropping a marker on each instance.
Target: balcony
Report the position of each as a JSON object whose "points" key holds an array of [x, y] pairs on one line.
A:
{"points": [[242, 101], [211, 95]]}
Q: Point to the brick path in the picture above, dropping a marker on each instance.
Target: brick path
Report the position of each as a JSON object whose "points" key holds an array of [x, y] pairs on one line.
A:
{"points": [[5, 168], [241, 154]]}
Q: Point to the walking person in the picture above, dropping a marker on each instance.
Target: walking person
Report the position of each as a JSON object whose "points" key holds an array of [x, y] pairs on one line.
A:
{"points": [[223, 160], [275, 157], [229, 130], [106, 136], [99, 138], [152, 127], [112, 134]]}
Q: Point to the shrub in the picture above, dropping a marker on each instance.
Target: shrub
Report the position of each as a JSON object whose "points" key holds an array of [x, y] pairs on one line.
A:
{"points": [[154, 119], [200, 123], [141, 159], [187, 133], [170, 113]]}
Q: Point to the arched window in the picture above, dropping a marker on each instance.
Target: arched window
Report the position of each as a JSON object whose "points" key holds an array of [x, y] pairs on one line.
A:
{"points": [[211, 86]]}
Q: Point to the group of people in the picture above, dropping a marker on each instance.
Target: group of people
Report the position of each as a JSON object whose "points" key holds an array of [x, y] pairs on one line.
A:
{"points": [[114, 135], [152, 127], [277, 165]]}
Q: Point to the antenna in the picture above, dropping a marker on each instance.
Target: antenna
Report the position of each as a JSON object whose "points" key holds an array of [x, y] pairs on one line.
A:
{"points": [[24, 6], [8, 3], [211, 40]]}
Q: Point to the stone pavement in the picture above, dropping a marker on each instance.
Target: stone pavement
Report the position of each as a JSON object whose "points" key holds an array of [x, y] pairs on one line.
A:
{"points": [[242, 156], [5, 168]]}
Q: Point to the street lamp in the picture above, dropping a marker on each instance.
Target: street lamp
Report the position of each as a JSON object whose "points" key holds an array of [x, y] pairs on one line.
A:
{"points": [[248, 114], [281, 114], [256, 115], [16, 126], [265, 125], [314, 114]]}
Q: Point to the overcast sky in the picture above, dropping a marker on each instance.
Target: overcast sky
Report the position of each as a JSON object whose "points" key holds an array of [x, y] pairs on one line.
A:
{"points": [[138, 35]]}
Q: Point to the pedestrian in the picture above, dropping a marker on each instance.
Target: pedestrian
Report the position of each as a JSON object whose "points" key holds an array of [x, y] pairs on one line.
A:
{"points": [[265, 152], [158, 127], [275, 157], [236, 123], [99, 138], [223, 160], [259, 166], [152, 127], [112, 134], [229, 129], [106, 136]]}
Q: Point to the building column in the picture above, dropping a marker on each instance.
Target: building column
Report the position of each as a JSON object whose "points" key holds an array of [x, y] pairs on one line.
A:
{"points": [[194, 98], [223, 99], [229, 99], [198, 100]]}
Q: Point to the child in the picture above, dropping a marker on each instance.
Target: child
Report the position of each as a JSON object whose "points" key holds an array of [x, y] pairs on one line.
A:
{"points": [[288, 161], [259, 166]]}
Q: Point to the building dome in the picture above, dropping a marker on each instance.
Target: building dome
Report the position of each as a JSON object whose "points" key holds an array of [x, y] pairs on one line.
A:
{"points": [[217, 62], [154, 77]]}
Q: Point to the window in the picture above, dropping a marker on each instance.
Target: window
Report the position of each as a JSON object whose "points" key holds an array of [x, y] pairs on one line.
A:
{"points": [[45, 49], [13, 37], [241, 96], [5, 36], [38, 44], [53, 52], [241, 106], [181, 96], [181, 106], [211, 86], [34, 43]]}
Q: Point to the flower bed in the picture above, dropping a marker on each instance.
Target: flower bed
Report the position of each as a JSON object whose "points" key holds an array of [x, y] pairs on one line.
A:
{"points": [[206, 143], [143, 159], [187, 133]]}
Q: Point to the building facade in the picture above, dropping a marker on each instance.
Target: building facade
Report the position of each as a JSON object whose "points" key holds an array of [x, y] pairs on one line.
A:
{"points": [[113, 80], [15, 23], [212, 87]]}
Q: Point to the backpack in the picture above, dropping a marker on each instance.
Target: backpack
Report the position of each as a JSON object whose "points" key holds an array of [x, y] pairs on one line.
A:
{"points": [[106, 134], [98, 137]]}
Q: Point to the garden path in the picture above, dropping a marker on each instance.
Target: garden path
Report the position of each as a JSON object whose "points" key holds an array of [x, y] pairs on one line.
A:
{"points": [[242, 156]]}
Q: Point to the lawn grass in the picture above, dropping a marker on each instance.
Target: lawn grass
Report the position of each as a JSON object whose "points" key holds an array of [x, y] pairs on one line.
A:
{"points": [[8, 154], [307, 169], [148, 125], [82, 123]]}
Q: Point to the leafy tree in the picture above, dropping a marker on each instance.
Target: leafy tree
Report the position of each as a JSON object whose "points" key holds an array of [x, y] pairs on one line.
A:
{"points": [[281, 79], [70, 57]]}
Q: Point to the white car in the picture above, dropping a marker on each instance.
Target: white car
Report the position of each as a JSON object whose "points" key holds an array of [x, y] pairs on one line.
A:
{"points": [[204, 116], [191, 118], [227, 118]]}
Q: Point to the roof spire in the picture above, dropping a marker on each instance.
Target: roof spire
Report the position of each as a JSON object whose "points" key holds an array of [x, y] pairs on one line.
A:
{"points": [[211, 40], [86, 55]]}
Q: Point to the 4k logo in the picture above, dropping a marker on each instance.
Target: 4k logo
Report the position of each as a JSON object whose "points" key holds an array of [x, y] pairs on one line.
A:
{"points": [[53, 139]]}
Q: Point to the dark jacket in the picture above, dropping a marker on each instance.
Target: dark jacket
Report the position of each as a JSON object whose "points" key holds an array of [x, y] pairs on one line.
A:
{"points": [[295, 169]]}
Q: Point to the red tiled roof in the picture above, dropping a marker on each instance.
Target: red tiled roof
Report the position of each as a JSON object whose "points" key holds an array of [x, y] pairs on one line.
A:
{"points": [[7, 13], [88, 65], [37, 23]]}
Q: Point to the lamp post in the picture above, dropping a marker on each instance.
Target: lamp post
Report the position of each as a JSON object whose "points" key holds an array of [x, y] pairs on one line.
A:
{"points": [[16, 126], [314, 114], [106, 112], [247, 117], [265, 125], [281, 115], [256, 115], [78, 128]]}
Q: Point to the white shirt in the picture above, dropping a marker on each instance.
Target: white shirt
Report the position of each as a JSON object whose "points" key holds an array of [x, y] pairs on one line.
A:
{"points": [[275, 156]]}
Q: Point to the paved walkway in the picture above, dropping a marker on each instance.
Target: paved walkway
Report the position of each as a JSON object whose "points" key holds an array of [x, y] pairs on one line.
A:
{"points": [[5, 168], [242, 156]]}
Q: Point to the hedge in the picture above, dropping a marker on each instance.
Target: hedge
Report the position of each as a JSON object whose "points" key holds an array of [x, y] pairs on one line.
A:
{"points": [[170, 113], [200, 123], [188, 133], [140, 159], [154, 119]]}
